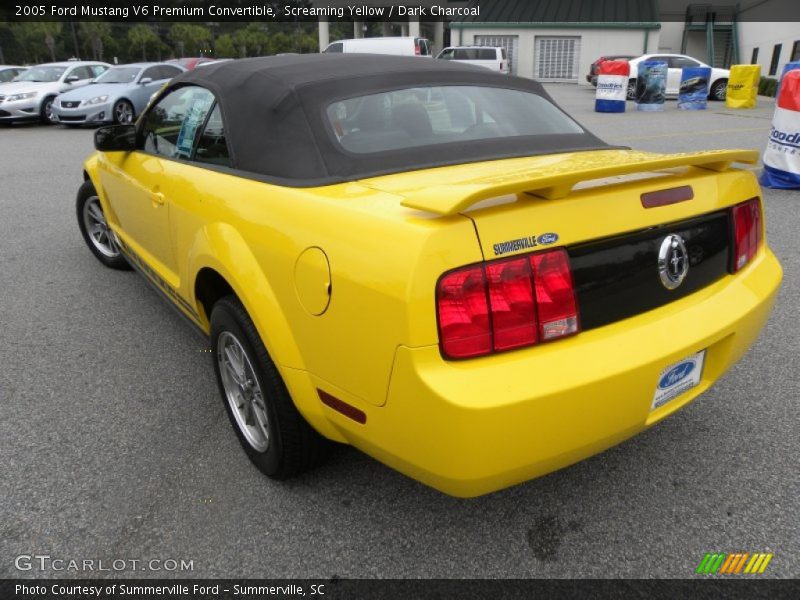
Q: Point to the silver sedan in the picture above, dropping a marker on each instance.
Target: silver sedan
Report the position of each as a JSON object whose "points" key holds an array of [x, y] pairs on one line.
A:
{"points": [[117, 96]]}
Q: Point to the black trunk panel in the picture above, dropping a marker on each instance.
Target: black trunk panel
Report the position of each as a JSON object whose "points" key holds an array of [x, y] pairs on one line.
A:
{"points": [[617, 277]]}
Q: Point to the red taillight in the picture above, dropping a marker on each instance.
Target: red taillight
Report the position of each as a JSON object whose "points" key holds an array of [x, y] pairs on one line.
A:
{"points": [[506, 304], [511, 302], [416, 49], [464, 328], [555, 295], [746, 232]]}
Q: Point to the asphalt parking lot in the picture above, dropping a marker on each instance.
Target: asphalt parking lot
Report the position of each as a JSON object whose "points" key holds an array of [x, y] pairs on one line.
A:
{"points": [[114, 443]]}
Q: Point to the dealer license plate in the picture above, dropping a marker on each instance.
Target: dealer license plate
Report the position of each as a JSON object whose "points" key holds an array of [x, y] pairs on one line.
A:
{"points": [[677, 378]]}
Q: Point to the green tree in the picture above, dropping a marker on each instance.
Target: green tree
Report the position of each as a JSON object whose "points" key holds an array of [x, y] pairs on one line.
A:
{"points": [[142, 36], [252, 40], [37, 40], [95, 35], [51, 31], [190, 39], [224, 47]]}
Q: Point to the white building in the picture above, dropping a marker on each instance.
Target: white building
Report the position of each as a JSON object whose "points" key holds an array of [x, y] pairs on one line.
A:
{"points": [[557, 40]]}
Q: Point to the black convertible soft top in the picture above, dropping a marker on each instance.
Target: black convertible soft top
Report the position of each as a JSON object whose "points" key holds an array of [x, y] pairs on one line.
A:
{"points": [[274, 114]]}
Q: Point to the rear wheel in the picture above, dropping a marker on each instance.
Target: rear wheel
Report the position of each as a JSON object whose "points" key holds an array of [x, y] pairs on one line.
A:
{"points": [[631, 91], [123, 112], [46, 113], [719, 90], [275, 436], [94, 229]]}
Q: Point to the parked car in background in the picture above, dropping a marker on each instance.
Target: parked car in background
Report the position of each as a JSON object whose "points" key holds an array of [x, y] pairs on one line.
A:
{"points": [[595, 66], [675, 63], [401, 46], [214, 62], [491, 57], [190, 63], [400, 254], [9, 72], [117, 96], [31, 95]]}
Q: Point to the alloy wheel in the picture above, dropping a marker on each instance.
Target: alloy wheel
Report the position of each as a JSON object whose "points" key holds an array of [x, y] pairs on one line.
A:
{"points": [[97, 227], [243, 391], [123, 113]]}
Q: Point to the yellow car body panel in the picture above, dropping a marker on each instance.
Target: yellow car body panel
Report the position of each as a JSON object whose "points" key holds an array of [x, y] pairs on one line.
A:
{"points": [[465, 427]]}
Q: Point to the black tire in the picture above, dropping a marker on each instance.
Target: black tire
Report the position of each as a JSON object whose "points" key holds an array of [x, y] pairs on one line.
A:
{"points": [[719, 90], [108, 253], [123, 113], [46, 111], [630, 93], [293, 445]]}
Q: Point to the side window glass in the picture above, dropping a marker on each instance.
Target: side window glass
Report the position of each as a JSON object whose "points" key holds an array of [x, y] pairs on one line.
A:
{"points": [[151, 72], [338, 47], [81, 73], [167, 72], [170, 127], [98, 70], [211, 146], [679, 62]]}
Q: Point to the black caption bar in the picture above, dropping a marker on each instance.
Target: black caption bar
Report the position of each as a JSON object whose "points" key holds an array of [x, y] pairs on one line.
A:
{"points": [[489, 12], [390, 589], [237, 10]]}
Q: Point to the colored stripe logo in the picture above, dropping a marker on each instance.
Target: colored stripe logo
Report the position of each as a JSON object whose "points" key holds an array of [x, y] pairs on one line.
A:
{"points": [[734, 564]]}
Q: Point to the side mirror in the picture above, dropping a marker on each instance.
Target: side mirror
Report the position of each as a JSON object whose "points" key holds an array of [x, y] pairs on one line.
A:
{"points": [[115, 138], [145, 80], [72, 79]]}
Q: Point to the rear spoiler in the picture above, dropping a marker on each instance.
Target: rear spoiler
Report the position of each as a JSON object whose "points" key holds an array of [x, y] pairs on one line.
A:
{"points": [[555, 181]]}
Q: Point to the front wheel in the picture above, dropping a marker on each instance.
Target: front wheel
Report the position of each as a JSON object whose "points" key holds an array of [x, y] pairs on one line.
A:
{"points": [[46, 113], [719, 90], [123, 112], [94, 229], [274, 435]]}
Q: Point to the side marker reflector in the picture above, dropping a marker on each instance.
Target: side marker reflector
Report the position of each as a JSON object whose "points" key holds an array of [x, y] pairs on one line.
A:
{"points": [[343, 407]]}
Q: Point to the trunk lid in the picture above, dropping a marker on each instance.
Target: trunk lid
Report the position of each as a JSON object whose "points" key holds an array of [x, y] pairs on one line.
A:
{"points": [[591, 204]]}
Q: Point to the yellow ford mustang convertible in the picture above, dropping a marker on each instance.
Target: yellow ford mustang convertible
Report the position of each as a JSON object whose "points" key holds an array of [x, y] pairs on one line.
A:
{"points": [[429, 261]]}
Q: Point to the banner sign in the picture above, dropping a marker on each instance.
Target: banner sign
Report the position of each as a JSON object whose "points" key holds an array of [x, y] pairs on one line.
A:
{"points": [[782, 156], [612, 84], [693, 92], [742, 89], [651, 84]]}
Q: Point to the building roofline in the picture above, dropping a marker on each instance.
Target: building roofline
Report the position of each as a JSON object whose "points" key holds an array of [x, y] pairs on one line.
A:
{"points": [[553, 25]]}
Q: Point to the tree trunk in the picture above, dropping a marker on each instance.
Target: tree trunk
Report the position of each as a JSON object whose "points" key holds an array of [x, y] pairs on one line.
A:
{"points": [[75, 39], [51, 45]]}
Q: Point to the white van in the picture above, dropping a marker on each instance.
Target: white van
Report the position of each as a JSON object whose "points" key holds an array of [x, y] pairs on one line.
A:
{"points": [[483, 56], [404, 46]]}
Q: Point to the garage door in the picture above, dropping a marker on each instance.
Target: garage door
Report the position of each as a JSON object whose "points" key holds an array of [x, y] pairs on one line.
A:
{"points": [[509, 42], [556, 58]]}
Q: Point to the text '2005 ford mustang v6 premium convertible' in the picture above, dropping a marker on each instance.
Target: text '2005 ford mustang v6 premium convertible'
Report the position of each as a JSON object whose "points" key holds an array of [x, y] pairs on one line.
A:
{"points": [[430, 262]]}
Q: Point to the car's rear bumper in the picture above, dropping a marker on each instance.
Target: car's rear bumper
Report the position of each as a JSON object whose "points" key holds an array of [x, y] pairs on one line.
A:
{"points": [[472, 427]]}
